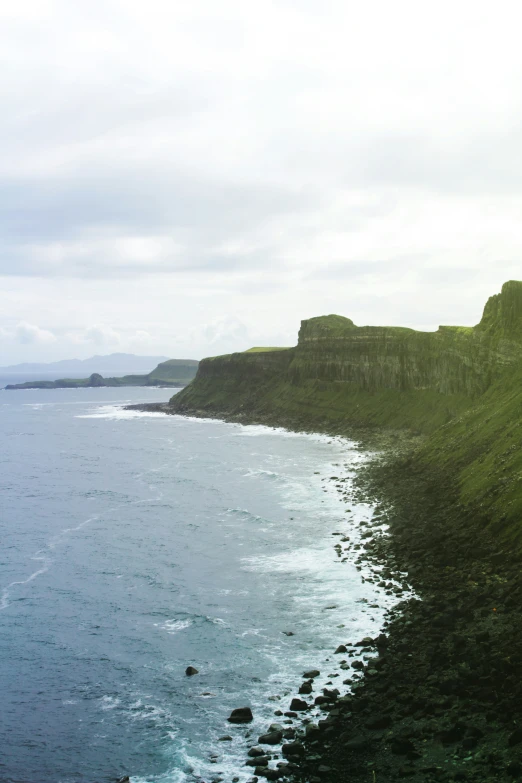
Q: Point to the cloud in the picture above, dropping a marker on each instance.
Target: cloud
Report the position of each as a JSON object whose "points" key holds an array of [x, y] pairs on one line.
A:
{"points": [[164, 163], [101, 335], [28, 334]]}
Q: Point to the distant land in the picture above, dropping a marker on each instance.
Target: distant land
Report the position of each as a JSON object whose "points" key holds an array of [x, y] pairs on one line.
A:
{"points": [[111, 364], [170, 373]]}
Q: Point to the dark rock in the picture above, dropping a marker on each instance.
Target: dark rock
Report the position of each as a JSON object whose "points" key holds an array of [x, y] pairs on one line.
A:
{"points": [[225, 738], [366, 642], [378, 722], [190, 671], [298, 705], [311, 674], [273, 738], [305, 688], [253, 752], [270, 774], [331, 694], [341, 649], [292, 749], [401, 746], [258, 761], [241, 715], [321, 700], [356, 744], [515, 738], [289, 633]]}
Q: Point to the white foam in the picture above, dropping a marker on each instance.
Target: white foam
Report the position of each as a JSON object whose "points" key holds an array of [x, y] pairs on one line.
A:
{"points": [[174, 626], [117, 413], [109, 702]]}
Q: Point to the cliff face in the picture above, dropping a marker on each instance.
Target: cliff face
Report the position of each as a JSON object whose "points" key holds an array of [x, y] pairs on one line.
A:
{"points": [[461, 386], [370, 375]]}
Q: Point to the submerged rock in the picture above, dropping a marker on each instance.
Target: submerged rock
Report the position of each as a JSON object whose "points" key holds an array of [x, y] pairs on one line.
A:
{"points": [[190, 671]]}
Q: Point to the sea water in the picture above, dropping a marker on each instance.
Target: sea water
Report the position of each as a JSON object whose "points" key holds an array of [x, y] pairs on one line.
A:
{"points": [[136, 544]]}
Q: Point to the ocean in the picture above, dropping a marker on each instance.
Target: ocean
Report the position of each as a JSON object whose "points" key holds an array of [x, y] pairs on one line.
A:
{"points": [[136, 544]]}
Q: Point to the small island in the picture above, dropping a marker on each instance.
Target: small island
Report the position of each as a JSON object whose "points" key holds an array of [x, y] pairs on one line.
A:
{"points": [[174, 373]]}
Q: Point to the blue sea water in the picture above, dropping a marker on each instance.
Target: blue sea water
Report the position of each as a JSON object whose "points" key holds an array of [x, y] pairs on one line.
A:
{"points": [[134, 545]]}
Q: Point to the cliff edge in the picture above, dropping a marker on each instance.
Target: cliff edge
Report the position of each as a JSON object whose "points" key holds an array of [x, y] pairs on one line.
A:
{"points": [[460, 386]]}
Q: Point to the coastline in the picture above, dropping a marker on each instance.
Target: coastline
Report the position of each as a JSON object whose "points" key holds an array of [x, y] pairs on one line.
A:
{"points": [[441, 699]]}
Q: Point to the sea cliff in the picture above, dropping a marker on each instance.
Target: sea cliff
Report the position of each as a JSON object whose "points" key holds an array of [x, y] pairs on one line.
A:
{"points": [[441, 694], [460, 386], [366, 376]]}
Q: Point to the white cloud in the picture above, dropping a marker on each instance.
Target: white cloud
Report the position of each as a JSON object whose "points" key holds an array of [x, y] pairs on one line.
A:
{"points": [[28, 334], [275, 160], [101, 335]]}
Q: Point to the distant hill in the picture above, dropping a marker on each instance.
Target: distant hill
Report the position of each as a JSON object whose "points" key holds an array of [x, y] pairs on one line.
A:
{"points": [[111, 364], [173, 373]]}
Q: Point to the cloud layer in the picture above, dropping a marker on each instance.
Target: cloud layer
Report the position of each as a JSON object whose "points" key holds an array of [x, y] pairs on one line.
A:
{"points": [[167, 168]]}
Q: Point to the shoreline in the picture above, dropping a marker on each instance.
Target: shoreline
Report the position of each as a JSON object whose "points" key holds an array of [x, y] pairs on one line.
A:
{"points": [[442, 699]]}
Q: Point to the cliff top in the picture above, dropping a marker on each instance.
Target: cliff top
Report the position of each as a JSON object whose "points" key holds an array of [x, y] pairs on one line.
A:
{"points": [[502, 314]]}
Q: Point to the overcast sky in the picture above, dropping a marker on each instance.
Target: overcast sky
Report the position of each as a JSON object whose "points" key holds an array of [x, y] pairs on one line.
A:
{"points": [[189, 178]]}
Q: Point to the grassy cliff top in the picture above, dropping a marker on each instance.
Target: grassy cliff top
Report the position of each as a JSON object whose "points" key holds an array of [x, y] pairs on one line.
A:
{"points": [[259, 349], [502, 314]]}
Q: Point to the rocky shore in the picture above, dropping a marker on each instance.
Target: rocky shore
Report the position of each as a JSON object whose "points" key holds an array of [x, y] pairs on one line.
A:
{"points": [[437, 696]]}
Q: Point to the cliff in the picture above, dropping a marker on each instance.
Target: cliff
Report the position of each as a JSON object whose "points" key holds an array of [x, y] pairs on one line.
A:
{"points": [[172, 373], [461, 386]]}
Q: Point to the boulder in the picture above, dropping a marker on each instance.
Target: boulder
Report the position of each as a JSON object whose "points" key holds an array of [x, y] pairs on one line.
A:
{"points": [[311, 674], [292, 749], [253, 752], [306, 688], [378, 722], [190, 671], [257, 761], [273, 738], [298, 705], [241, 715]]}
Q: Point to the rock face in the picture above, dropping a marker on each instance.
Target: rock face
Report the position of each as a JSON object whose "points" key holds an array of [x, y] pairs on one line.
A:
{"points": [[462, 386]]}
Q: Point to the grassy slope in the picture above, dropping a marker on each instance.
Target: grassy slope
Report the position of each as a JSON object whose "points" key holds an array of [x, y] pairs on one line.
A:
{"points": [[483, 449]]}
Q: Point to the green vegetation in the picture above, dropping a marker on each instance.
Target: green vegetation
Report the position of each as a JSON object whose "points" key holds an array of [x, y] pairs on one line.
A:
{"points": [[172, 373], [459, 386], [262, 350]]}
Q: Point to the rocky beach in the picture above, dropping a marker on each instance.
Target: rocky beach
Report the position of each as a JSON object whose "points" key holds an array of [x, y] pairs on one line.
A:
{"points": [[436, 695]]}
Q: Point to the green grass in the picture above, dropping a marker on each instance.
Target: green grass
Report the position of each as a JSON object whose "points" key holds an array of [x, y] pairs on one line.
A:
{"points": [[482, 448], [259, 349]]}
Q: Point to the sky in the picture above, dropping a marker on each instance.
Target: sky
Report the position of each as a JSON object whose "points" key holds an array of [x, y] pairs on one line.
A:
{"points": [[191, 178]]}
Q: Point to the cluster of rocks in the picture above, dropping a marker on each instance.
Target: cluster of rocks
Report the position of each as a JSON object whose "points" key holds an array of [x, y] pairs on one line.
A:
{"points": [[436, 697], [442, 700]]}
